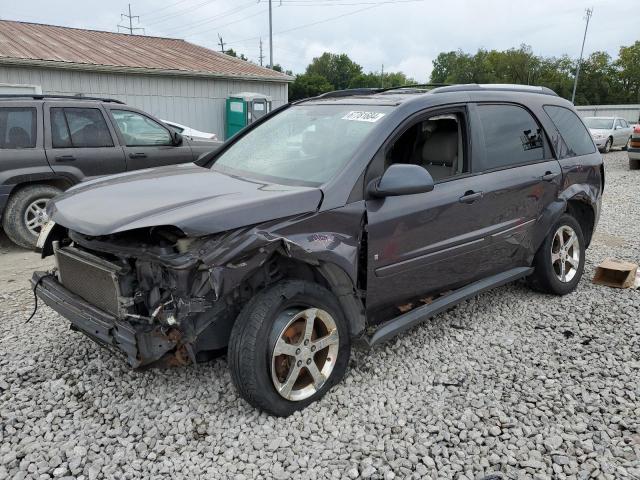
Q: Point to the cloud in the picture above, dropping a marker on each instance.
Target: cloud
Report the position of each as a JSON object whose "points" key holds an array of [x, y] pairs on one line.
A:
{"points": [[402, 35]]}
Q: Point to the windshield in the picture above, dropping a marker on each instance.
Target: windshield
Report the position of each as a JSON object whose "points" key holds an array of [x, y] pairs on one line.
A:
{"points": [[599, 123], [306, 144]]}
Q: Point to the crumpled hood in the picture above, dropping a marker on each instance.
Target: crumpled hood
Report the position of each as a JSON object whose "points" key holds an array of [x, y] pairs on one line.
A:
{"points": [[195, 199]]}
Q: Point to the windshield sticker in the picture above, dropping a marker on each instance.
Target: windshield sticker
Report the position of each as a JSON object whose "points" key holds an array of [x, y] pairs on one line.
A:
{"points": [[363, 116]]}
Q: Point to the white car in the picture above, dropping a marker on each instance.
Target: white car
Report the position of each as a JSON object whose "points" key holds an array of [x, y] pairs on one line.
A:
{"points": [[609, 132], [190, 132]]}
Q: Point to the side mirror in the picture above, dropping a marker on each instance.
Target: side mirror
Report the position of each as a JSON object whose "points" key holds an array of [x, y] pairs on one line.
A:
{"points": [[176, 138], [401, 179]]}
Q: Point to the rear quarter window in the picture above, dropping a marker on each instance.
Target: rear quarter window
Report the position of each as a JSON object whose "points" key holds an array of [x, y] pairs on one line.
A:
{"points": [[577, 139], [17, 127], [511, 136]]}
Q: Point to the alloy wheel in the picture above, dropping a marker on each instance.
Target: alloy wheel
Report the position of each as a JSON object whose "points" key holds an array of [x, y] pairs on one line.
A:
{"points": [[35, 216], [305, 353], [565, 253]]}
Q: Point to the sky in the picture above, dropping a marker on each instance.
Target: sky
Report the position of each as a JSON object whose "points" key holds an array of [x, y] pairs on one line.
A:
{"points": [[402, 35]]}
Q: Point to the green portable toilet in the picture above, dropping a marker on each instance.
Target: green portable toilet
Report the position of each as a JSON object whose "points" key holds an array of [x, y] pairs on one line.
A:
{"points": [[244, 108]]}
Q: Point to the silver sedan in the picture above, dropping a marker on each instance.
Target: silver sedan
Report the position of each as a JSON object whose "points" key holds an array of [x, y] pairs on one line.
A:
{"points": [[608, 132]]}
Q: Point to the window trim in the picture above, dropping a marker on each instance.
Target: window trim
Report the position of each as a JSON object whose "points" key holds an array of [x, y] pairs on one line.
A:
{"points": [[34, 126], [557, 155], [375, 167], [66, 122], [121, 133], [549, 152]]}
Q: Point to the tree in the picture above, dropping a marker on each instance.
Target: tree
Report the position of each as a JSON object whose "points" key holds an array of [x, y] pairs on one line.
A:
{"points": [[308, 85], [338, 69], [601, 79], [232, 53], [628, 68]]}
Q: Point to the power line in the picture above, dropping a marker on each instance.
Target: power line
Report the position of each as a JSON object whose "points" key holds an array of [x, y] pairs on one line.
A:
{"points": [[353, 12], [155, 12], [172, 15], [203, 21], [584, 38], [130, 17], [218, 27]]}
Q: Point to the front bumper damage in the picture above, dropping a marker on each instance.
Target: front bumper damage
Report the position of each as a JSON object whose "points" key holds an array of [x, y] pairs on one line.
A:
{"points": [[101, 327]]}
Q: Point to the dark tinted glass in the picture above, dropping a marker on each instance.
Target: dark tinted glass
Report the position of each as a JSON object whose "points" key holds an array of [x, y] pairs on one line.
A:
{"points": [[88, 128], [59, 131], [17, 127], [577, 140], [511, 136]]}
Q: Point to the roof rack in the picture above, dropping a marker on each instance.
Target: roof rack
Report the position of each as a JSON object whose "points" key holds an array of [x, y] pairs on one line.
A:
{"points": [[349, 92], [496, 87], [38, 96]]}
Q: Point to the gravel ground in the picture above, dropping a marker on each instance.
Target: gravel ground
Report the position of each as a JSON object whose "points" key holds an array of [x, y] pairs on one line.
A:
{"points": [[516, 382]]}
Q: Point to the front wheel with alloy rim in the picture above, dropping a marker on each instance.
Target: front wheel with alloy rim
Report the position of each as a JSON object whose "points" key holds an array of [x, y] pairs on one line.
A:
{"points": [[559, 262], [288, 347], [25, 213]]}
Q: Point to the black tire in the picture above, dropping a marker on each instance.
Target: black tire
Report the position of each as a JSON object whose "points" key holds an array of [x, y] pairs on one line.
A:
{"points": [[13, 220], [626, 145], [545, 278], [256, 331], [607, 145], [634, 164]]}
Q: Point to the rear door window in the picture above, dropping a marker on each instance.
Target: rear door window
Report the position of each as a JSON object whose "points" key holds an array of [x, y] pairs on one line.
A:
{"points": [[511, 136], [79, 128], [17, 127], [577, 139]]}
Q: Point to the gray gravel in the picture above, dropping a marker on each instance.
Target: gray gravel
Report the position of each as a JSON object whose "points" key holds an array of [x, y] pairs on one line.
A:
{"points": [[528, 385]]}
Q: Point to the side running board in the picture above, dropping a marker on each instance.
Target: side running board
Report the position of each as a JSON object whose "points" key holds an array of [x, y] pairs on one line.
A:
{"points": [[412, 318]]}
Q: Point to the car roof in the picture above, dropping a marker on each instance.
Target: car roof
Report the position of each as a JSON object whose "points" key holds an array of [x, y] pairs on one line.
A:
{"points": [[408, 94], [43, 97]]}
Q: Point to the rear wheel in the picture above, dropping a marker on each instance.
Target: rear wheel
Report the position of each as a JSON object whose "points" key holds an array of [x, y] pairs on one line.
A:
{"points": [[25, 213], [559, 263], [607, 145], [634, 164], [626, 145], [288, 347]]}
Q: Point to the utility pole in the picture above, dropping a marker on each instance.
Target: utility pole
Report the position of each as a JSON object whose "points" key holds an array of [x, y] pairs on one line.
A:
{"points": [[586, 27], [270, 36], [221, 43], [130, 17], [382, 77], [261, 57]]}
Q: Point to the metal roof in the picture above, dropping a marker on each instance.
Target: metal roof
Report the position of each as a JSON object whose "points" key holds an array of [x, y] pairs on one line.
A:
{"points": [[64, 47]]}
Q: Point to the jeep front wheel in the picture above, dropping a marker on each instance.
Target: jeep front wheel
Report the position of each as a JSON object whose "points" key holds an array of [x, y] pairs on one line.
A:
{"points": [[25, 213], [288, 347]]}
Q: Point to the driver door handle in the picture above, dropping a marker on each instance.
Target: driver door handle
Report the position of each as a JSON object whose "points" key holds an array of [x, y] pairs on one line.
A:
{"points": [[470, 196], [549, 176]]}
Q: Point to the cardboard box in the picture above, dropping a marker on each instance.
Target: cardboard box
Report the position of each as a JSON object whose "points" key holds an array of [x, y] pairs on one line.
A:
{"points": [[616, 273]]}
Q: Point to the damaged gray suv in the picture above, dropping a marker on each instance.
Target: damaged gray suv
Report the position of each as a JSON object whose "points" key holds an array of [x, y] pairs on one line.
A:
{"points": [[352, 216]]}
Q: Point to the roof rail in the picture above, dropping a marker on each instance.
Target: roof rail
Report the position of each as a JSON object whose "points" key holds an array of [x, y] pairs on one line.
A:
{"points": [[38, 96], [349, 92], [496, 87]]}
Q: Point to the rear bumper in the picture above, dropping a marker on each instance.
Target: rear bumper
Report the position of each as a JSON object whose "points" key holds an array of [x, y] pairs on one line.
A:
{"points": [[141, 345], [634, 153]]}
